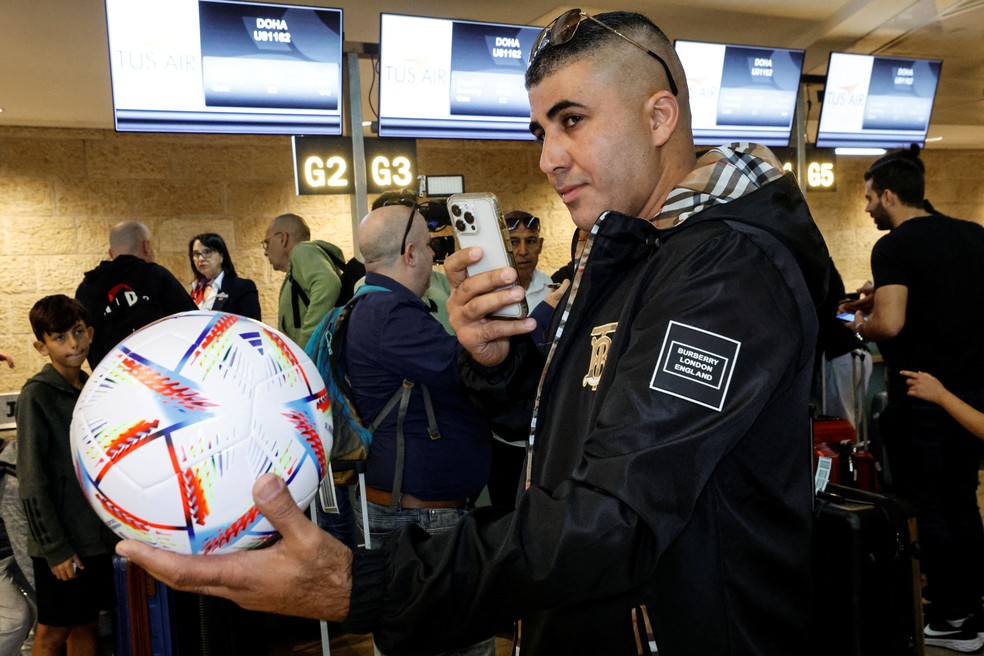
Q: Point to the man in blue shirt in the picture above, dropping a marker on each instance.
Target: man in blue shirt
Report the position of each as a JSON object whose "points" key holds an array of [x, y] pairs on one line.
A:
{"points": [[393, 338]]}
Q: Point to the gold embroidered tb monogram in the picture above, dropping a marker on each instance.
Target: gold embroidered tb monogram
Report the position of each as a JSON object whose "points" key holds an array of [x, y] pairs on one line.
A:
{"points": [[600, 342]]}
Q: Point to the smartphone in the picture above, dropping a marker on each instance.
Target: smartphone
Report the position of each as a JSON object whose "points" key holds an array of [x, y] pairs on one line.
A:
{"points": [[477, 221], [846, 316]]}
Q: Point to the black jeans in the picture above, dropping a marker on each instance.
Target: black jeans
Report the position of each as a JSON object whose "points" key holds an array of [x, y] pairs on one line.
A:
{"points": [[935, 464]]}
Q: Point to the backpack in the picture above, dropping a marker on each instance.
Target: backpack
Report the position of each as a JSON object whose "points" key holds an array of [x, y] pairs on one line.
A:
{"points": [[351, 435], [348, 272]]}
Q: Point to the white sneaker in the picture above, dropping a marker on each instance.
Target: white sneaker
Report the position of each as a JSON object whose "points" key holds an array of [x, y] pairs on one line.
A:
{"points": [[943, 634]]}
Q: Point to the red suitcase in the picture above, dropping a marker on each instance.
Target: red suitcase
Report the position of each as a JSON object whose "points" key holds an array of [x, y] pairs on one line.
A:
{"points": [[827, 451], [852, 464], [832, 430]]}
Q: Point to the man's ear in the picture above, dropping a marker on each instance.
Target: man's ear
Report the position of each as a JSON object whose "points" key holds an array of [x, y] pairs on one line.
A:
{"points": [[41, 348], [91, 331], [663, 112], [410, 254]]}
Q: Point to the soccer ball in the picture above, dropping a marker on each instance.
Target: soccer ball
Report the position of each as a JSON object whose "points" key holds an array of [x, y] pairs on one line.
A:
{"points": [[178, 421]]}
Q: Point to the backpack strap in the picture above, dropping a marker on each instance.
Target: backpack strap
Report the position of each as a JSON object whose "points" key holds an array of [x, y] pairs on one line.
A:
{"points": [[335, 339], [431, 419], [336, 261], [403, 396], [395, 494], [297, 294]]}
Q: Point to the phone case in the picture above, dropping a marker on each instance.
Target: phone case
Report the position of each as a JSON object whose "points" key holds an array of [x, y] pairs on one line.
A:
{"points": [[477, 221]]}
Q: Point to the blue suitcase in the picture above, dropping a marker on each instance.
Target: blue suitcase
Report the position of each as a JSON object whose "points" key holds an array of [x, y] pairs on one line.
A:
{"points": [[144, 618]]}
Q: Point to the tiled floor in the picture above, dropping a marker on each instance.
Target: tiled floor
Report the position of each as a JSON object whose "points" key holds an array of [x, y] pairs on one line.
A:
{"points": [[307, 642]]}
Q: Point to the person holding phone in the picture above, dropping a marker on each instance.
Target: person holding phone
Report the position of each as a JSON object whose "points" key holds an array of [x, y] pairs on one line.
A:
{"points": [[430, 453], [668, 495], [927, 261]]}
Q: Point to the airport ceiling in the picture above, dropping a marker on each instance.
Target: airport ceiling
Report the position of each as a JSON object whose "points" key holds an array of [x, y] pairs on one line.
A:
{"points": [[54, 68]]}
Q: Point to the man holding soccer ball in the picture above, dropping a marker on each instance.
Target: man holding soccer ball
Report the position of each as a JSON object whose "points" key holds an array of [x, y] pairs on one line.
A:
{"points": [[664, 507]]}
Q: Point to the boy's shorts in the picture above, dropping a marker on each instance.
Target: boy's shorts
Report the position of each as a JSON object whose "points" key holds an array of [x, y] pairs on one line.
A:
{"points": [[75, 602]]}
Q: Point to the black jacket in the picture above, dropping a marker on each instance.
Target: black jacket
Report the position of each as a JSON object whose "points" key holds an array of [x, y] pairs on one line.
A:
{"points": [[141, 291], [238, 296], [678, 491]]}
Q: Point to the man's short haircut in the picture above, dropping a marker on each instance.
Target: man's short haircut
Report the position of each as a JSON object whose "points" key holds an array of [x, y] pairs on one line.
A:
{"points": [[903, 173], [293, 225], [590, 36], [127, 238], [56, 314]]}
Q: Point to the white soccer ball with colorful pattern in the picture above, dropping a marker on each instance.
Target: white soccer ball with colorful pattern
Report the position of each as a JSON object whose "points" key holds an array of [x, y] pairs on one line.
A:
{"points": [[180, 419]]}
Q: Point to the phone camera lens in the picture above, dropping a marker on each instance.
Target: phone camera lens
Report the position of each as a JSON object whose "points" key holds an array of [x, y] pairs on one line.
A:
{"points": [[460, 225], [469, 218], [456, 210]]}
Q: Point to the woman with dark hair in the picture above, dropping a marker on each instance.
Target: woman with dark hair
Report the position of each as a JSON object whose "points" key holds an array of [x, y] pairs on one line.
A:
{"points": [[216, 285]]}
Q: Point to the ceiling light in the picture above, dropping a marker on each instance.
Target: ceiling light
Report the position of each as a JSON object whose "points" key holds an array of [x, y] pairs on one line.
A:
{"points": [[860, 151]]}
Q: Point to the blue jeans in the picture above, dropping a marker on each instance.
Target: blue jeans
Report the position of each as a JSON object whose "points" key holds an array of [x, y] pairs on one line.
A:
{"points": [[16, 612], [432, 520], [341, 524]]}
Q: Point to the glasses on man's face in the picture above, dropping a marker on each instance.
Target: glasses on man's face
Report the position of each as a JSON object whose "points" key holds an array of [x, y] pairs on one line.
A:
{"points": [[405, 202], [531, 223], [203, 254], [562, 29], [266, 242]]}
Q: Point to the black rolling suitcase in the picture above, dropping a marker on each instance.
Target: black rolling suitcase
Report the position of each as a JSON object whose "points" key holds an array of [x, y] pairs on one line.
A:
{"points": [[867, 589]]}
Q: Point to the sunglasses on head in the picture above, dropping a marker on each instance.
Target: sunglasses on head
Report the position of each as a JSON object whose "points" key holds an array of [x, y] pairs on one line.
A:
{"points": [[562, 29], [531, 223], [405, 202]]}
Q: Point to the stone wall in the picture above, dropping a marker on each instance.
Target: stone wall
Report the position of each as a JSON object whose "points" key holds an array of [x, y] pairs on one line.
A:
{"points": [[62, 189]]}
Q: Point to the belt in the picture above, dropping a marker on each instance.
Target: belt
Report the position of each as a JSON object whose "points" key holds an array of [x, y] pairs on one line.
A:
{"points": [[407, 500]]}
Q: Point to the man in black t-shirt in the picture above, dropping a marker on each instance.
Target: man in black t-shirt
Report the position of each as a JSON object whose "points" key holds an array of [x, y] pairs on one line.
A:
{"points": [[927, 314]]}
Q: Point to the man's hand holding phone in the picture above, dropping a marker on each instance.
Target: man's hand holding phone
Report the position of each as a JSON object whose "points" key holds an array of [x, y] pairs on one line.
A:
{"points": [[475, 299]]}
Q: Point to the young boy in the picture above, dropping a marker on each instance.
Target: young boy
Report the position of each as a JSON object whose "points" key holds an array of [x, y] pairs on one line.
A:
{"points": [[70, 547]]}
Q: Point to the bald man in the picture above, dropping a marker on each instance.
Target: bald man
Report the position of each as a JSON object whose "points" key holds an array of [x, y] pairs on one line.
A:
{"points": [[312, 284], [129, 290], [668, 501], [393, 337]]}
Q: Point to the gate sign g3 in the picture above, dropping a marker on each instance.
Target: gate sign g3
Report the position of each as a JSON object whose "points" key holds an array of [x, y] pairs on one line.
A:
{"points": [[324, 165]]}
